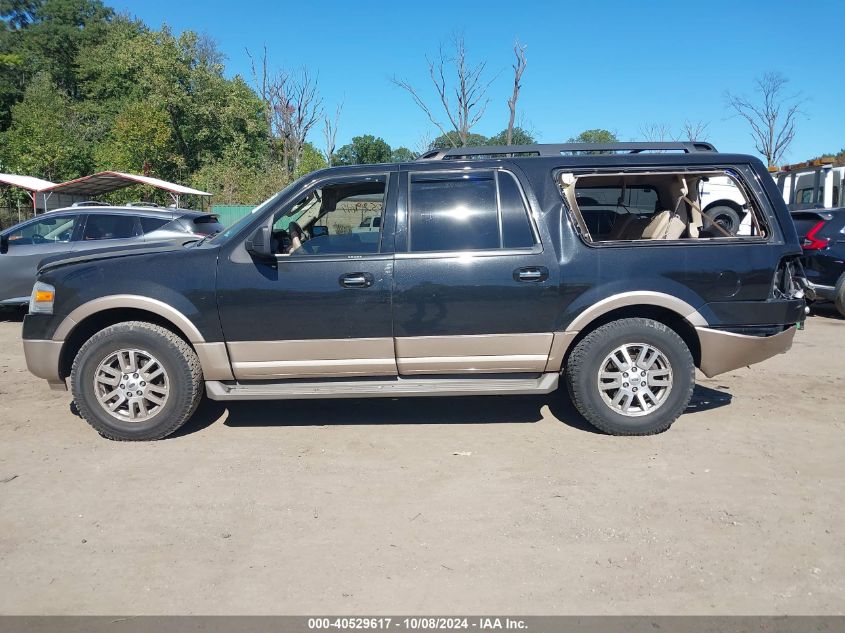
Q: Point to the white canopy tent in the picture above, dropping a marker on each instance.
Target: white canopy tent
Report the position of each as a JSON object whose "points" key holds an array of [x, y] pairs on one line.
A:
{"points": [[88, 187]]}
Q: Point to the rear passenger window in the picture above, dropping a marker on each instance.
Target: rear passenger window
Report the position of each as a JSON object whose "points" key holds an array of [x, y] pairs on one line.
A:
{"points": [[104, 226], [459, 212], [148, 225], [454, 212]]}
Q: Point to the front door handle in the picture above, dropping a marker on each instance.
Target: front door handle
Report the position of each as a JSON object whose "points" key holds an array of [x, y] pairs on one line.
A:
{"points": [[532, 273], [356, 280]]}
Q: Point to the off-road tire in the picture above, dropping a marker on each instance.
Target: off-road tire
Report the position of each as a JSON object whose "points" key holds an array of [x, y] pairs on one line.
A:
{"points": [[180, 362], [839, 295], [583, 364]]}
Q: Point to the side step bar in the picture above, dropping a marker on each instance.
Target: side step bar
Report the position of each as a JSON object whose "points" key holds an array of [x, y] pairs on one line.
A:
{"points": [[389, 388]]}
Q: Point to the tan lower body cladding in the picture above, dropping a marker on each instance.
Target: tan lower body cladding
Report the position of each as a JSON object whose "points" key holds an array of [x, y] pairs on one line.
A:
{"points": [[323, 358]]}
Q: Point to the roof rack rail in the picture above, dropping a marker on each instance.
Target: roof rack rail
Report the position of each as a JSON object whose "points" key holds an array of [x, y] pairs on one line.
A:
{"points": [[559, 149]]}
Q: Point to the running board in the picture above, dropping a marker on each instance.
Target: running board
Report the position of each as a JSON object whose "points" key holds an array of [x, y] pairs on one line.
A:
{"points": [[393, 388]]}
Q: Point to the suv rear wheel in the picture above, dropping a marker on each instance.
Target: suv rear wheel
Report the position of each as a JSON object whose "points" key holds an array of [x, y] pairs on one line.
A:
{"points": [[631, 377], [136, 381]]}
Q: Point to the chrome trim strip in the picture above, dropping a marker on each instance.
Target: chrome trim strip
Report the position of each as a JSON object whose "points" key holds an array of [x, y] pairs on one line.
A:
{"points": [[636, 297], [393, 388], [247, 370], [474, 345], [310, 349], [494, 252], [188, 329], [472, 364], [725, 351], [214, 360]]}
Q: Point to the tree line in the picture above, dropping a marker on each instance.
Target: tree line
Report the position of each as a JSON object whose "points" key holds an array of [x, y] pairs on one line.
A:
{"points": [[84, 89]]}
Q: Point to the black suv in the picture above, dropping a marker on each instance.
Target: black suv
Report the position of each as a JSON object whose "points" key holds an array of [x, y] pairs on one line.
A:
{"points": [[491, 271], [822, 235]]}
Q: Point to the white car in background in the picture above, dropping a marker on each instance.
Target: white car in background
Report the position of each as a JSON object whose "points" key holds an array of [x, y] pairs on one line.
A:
{"points": [[368, 225]]}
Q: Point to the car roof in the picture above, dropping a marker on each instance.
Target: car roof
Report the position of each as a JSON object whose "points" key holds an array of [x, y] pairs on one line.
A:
{"points": [[160, 212]]}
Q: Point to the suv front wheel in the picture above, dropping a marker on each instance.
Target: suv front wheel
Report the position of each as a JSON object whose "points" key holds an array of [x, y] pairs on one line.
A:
{"points": [[631, 377], [136, 381]]}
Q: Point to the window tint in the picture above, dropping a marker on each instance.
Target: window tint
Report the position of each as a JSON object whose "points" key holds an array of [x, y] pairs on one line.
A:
{"points": [[516, 225], [148, 225], [48, 230], [103, 226], [453, 212]]}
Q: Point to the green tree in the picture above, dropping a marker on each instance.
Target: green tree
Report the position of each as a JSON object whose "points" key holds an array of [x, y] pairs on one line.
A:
{"points": [[596, 135], [46, 135], [520, 137], [311, 159], [402, 155], [141, 141], [364, 150], [452, 139]]}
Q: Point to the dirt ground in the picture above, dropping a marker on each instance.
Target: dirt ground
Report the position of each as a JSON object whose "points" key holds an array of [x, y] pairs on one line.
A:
{"points": [[451, 506]]}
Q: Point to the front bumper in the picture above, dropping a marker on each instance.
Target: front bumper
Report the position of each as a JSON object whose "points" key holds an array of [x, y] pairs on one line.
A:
{"points": [[724, 351], [42, 360]]}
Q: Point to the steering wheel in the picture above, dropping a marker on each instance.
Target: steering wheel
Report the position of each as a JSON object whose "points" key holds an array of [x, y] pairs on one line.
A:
{"points": [[295, 231], [38, 239]]}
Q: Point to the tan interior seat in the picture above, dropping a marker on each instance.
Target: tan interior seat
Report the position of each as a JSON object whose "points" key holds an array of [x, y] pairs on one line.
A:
{"points": [[664, 226]]}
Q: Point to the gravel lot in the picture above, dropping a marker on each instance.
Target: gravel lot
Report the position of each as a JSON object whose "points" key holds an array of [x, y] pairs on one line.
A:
{"points": [[452, 506]]}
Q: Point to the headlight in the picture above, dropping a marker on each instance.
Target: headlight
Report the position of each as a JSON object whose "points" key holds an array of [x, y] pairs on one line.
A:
{"points": [[41, 301]]}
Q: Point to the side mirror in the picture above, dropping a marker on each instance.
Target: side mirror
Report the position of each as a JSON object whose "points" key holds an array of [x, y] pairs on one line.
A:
{"points": [[4, 244], [259, 243], [317, 231]]}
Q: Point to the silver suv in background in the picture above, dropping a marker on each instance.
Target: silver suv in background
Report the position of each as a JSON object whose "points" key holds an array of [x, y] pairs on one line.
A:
{"points": [[77, 229]]}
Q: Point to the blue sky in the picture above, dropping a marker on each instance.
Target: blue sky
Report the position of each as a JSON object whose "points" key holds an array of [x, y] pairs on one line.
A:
{"points": [[612, 64]]}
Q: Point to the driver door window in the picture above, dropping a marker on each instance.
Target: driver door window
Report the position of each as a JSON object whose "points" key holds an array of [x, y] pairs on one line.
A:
{"points": [[339, 218], [52, 230]]}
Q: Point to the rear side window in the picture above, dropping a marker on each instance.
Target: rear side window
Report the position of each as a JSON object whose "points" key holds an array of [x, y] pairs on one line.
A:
{"points": [[105, 226], [148, 225], [516, 225], [467, 212]]}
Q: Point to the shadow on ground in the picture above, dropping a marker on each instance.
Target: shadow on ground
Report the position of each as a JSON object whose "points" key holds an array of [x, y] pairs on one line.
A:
{"points": [[390, 411], [826, 311]]}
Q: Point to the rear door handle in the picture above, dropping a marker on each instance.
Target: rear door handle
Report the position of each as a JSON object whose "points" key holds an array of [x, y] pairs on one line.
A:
{"points": [[356, 280], [532, 273]]}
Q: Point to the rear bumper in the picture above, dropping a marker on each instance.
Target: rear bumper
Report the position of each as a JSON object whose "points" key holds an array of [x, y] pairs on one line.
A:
{"points": [[42, 360], [724, 351]]}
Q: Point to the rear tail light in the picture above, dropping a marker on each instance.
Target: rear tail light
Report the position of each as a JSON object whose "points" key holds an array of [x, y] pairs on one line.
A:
{"points": [[813, 243]]}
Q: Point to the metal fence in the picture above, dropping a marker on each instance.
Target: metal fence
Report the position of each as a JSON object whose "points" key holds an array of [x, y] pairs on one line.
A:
{"points": [[11, 215], [231, 213]]}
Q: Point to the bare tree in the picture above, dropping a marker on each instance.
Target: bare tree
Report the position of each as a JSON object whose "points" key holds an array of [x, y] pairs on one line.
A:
{"points": [[468, 85], [299, 107], [656, 132], [694, 131], [518, 69], [771, 117], [292, 107], [330, 133]]}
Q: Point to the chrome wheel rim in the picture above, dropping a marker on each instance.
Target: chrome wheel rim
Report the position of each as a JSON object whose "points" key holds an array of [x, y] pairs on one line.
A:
{"points": [[131, 385], [635, 379]]}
